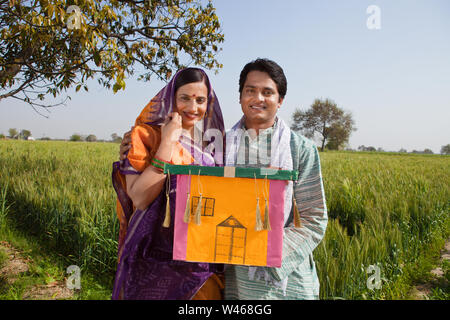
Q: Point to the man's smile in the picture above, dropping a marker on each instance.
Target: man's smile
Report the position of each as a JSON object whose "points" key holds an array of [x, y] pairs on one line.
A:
{"points": [[258, 107]]}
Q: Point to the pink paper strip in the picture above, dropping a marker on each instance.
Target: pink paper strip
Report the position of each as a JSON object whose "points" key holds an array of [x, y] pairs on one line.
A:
{"points": [[275, 236], [181, 228]]}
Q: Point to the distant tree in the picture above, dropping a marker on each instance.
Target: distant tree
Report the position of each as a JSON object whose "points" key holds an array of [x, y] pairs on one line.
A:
{"points": [[25, 134], [445, 149], [91, 138], [402, 150], [46, 47], [428, 151], [45, 138], [13, 133], [327, 119], [380, 149], [76, 137], [115, 138], [2, 136], [364, 148]]}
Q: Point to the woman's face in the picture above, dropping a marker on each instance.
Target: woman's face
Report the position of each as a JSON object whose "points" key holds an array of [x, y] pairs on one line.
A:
{"points": [[191, 102]]}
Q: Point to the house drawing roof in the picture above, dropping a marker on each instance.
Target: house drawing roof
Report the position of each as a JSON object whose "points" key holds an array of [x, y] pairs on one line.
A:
{"points": [[231, 222]]}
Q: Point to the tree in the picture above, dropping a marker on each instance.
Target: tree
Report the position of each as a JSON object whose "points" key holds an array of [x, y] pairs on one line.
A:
{"points": [[364, 148], [338, 136], [49, 46], [115, 138], [25, 134], [76, 137], [445, 149], [13, 133], [428, 151], [91, 138], [325, 118]]}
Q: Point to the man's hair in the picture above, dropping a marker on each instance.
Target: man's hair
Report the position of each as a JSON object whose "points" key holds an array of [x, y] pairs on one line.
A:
{"points": [[274, 71]]}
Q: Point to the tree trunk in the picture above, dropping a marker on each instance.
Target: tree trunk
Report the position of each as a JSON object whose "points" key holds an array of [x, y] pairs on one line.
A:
{"points": [[324, 135]]}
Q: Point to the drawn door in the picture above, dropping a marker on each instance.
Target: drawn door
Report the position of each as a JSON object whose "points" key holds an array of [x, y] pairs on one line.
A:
{"points": [[230, 242]]}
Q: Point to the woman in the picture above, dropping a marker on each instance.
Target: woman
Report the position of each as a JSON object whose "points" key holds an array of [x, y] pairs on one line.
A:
{"points": [[166, 131]]}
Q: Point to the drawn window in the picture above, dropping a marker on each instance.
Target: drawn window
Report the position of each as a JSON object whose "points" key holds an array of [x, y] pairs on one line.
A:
{"points": [[207, 206], [231, 238]]}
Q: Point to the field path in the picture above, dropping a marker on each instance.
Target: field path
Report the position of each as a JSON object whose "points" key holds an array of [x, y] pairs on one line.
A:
{"points": [[423, 291], [17, 267]]}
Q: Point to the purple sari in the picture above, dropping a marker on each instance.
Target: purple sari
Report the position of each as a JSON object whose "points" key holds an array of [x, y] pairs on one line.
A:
{"points": [[146, 269]]}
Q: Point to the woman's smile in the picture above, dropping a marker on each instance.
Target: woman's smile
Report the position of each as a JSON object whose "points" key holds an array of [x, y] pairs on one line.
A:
{"points": [[191, 116]]}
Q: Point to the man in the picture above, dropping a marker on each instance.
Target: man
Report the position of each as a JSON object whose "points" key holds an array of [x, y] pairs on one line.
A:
{"points": [[261, 139]]}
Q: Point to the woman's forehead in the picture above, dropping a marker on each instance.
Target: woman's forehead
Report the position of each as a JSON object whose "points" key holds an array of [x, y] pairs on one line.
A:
{"points": [[193, 88]]}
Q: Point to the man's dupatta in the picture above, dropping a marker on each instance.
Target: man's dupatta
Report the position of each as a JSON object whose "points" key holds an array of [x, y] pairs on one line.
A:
{"points": [[146, 137]]}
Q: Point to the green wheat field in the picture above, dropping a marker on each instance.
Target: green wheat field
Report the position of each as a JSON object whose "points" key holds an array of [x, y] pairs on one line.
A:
{"points": [[385, 209]]}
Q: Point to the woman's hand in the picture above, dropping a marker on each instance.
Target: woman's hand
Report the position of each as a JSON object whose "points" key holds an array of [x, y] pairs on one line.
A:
{"points": [[171, 129], [125, 145], [170, 134]]}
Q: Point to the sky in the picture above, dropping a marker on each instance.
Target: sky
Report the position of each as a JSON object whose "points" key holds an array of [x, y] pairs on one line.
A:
{"points": [[395, 79]]}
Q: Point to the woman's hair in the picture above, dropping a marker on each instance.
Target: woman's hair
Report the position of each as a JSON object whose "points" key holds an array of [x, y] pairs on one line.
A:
{"points": [[274, 71], [190, 75]]}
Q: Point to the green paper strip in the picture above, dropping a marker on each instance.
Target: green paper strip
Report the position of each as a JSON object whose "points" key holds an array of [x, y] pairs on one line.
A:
{"points": [[155, 164], [158, 161], [258, 173]]}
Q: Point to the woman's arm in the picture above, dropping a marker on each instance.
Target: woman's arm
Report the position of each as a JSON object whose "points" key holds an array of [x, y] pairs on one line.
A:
{"points": [[145, 187]]}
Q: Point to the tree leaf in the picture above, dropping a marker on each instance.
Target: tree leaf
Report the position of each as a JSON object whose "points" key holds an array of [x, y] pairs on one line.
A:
{"points": [[97, 59]]}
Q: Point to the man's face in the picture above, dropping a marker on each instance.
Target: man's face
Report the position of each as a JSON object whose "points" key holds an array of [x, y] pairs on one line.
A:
{"points": [[259, 100]]}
